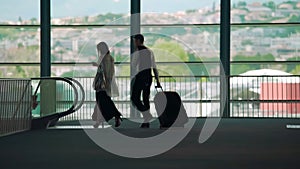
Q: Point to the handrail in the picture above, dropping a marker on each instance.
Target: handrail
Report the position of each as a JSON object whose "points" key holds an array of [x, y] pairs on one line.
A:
{"points": [[71, 109], [67, 81], [46, 121], [82, 93]]}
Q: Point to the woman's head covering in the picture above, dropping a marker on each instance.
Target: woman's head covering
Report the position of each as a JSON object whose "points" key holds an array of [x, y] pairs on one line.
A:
{"points": [[102, 49]]}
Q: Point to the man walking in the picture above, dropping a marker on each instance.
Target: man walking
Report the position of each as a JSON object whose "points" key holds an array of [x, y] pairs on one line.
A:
{"points": [[143, 62]]}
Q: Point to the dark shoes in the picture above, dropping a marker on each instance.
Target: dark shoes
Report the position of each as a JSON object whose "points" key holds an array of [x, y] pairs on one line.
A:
{"points": [[147, 118], [118, 121], [145, 125]]}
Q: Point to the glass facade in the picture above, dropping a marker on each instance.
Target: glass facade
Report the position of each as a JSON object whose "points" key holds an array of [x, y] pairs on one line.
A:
{"points": [[260, 31], [20, 39], [265, 32], [185, 38]]}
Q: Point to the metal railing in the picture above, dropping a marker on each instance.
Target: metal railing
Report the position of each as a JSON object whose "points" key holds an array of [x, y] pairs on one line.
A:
{"points": [[15, 105], [194, 99], [250, 96], [265, 96]]}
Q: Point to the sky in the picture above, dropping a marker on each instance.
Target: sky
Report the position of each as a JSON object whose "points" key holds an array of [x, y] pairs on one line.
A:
{"points": [[12, 9]]}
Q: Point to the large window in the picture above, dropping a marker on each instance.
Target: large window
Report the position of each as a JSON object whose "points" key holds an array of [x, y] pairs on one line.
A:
{"points": [[265, 39], [185, 38], [265, 31], [187, 33], [19, 38], [77, 27], [265, 11]]}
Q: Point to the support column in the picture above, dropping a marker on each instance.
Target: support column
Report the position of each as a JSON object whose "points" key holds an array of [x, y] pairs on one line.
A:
{"points": [[135, 28], [225, 58], [45, 33], [48, 87]]}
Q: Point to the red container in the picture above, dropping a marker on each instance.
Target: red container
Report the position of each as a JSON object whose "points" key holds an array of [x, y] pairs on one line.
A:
{"points": [[280, 91]]}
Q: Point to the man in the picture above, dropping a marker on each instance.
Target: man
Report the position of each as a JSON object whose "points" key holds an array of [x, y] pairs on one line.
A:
{"points": [[143, 63]]}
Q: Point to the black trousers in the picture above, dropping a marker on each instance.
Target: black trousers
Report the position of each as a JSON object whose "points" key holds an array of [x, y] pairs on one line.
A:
{"points": [[141, 86], [107, 106]]}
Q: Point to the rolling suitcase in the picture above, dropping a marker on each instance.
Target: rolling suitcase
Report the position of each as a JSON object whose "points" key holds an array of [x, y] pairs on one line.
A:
{"points": [[170, 109]]}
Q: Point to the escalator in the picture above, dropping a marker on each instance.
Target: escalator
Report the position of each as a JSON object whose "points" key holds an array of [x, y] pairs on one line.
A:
{"points": [[54, 98]]}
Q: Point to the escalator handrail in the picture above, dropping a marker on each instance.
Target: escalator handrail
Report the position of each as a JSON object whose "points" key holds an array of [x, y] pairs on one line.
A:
{"points": [[80, 102], [75, 102]]}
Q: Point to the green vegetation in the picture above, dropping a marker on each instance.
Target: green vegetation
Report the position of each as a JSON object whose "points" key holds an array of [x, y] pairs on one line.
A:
{"points": [[242, 68], [77, 73], [23, 54], [257, 57], [294, 18], [270, 4], [247, 42], [296, 70], [242, 4], [171, 51], [7, 33], [293, 3], [166, 50], [108, 17]]}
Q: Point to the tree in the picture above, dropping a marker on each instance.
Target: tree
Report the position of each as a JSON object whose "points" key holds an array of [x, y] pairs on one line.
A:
{"points": [[21, 71], [171, 51], [292, 67], [86, 19], [241, 68], [247, 42], [242, 4], [270, 4], [296, 70], [234, 6], [197, 69], [20, 19], [294, 18], [33, 21], [8, 33]]}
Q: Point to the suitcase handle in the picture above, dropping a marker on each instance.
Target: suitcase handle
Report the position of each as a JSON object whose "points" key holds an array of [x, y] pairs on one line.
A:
{"points": [[158, 87]]}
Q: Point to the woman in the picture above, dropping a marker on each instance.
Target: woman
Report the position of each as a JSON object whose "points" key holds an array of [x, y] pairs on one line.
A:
{"points": [[105, 86]]}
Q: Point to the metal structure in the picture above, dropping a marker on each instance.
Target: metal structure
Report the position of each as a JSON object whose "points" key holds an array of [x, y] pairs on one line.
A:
{"points": [[69, 98], [225, 58], [21, 109], [15, 105], [45, 38], [249, 96]]}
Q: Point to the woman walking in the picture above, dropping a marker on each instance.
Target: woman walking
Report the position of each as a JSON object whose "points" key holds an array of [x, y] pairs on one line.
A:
{"points": [[106, 87]]}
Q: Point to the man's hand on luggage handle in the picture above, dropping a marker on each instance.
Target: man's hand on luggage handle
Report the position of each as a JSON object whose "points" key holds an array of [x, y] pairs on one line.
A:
{"points": [[158, 85]]}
